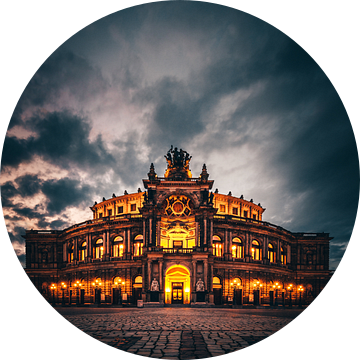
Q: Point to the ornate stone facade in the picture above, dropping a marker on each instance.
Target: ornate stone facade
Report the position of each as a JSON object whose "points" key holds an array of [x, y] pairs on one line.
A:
{"points": [[177, 243]]}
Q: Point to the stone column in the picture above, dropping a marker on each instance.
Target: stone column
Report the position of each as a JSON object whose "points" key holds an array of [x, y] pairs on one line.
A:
{"points": [[143, 281], [205, 231], [64, 252], [161, 275], [229, 243], [206, 274], [226, 242], [288, 257], [145, 241], [104, 242], [158, 240], [150, 233], [211, 233], [89, 246], [128, 241], [247, 245], [108, 242], [149, 268], [76, 248], [278, 258], [197, 242], [194, 276]]}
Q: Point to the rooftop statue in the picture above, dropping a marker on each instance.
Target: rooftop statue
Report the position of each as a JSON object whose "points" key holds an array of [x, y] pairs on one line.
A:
{"points": [[178, 164], [178, 158]]}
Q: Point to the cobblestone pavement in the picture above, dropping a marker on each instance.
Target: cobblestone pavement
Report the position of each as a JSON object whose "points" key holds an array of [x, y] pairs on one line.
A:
{"points": [[177, 333]]}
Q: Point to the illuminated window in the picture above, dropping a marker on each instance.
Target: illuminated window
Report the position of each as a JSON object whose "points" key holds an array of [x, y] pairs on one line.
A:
{"points": [[222, 208], [120, 209], [99, 249], [237, 248], [138, 245], [83, 251], [118, 247], [133, 207], [138, 281], [217, 246], [271, 253], [216, 282], [71, 253], [245, 214], [235, 211], [109, 212], [283, 256], [255, 250]]}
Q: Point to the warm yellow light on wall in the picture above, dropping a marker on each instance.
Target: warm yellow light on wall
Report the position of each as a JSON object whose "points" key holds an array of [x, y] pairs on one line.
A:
{"points": [[167, 290]]}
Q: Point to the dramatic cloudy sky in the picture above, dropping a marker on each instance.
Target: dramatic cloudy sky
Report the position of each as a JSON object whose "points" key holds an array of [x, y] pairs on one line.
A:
{"points": [[233, 91]]}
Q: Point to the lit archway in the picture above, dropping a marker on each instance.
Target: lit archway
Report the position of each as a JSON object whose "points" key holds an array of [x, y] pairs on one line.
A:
{"points": [[177, 285]]}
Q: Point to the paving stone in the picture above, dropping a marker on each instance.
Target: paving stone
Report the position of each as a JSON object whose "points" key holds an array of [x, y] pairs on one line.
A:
{"points": [[177, 333]]}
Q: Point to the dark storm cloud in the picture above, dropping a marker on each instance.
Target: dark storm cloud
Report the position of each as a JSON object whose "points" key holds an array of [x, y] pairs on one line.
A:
{"points": [[28, 185], [60, 194], [64, 193], [131, 165], [62, 139], [176, 116], [63, 72]]}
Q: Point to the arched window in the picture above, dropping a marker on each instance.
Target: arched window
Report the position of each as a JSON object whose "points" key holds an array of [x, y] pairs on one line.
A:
{"points": [[255, 250], [216, 282], [271, 253], [217, 246], [118, 246], [99, 249], [283, 256], [71, 253], [138, 281], [138, 245], [237, 248], [83, 251]]}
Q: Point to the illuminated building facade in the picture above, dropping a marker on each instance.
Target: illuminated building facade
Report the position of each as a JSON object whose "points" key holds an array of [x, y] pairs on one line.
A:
{"points": [[177, 242]]}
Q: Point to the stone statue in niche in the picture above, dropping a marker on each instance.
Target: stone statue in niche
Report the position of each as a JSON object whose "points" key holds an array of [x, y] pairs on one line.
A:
{"points": [[200, 285], [154, 285]]}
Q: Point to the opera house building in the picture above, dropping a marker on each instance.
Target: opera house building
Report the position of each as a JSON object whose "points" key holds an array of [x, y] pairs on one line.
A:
{"points": [[178, 242]]}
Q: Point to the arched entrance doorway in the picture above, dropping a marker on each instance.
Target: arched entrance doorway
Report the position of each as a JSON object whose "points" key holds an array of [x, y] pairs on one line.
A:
{"points": [[137, 289], [217, 288], [177, 285]]}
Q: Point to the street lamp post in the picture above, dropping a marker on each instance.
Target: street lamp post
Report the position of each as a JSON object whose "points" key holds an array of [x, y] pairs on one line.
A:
{"points": [[290, 288], [276, 287], [237, 291], [257, 292], [77, 289], [300, 289], [118, 284], [53, 288], [63, 287], [97, 287]]}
